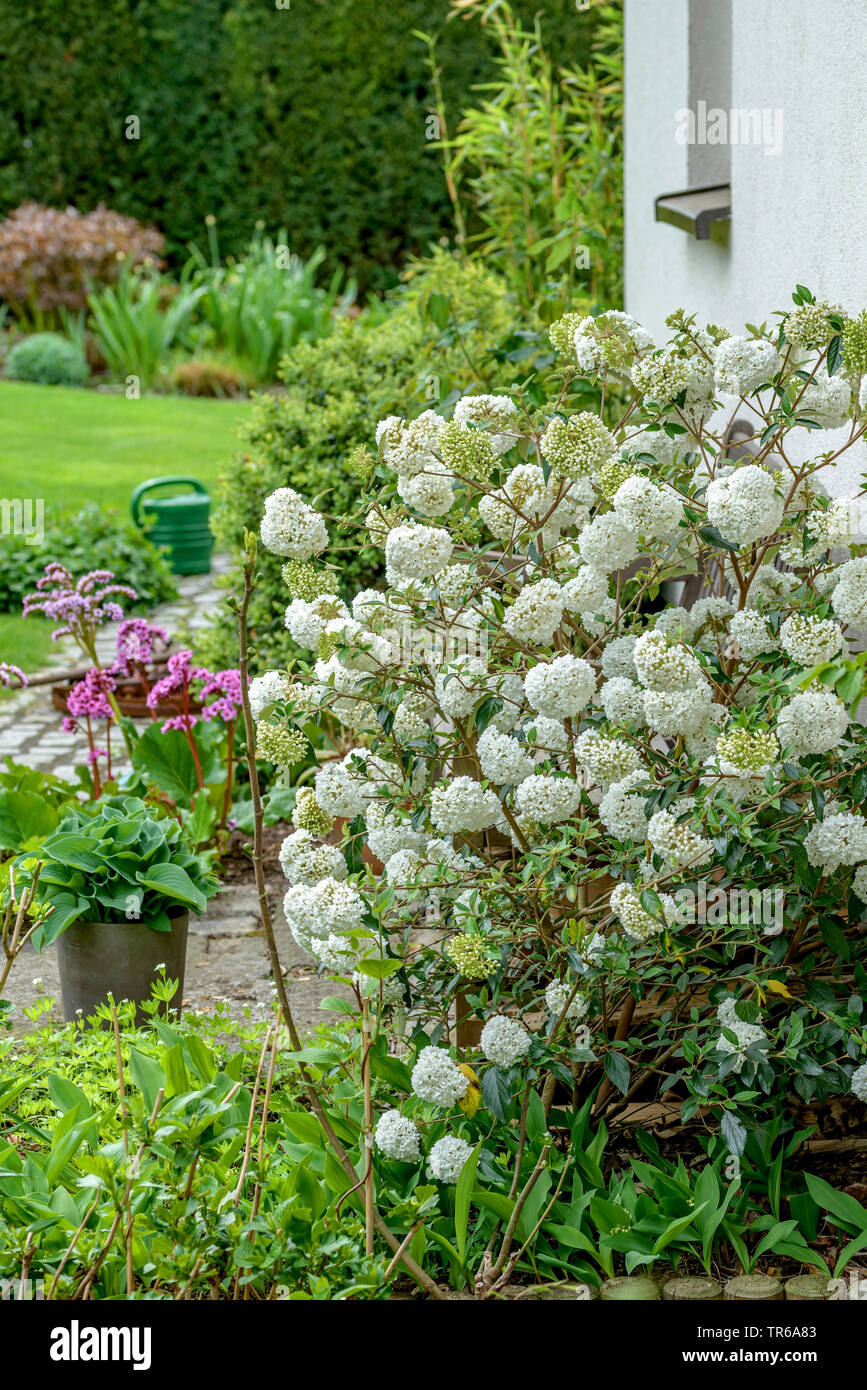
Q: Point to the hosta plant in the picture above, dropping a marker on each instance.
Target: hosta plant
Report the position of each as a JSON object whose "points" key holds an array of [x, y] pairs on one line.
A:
{"points": [[603, 712]]}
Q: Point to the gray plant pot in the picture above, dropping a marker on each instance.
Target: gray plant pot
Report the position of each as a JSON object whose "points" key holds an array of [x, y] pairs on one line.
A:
{"points": [[101, 958]]}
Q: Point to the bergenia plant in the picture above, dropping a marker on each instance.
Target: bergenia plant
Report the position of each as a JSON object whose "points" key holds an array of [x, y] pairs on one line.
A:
{"points": [[199, 695], [90, 700], [606, 746]]}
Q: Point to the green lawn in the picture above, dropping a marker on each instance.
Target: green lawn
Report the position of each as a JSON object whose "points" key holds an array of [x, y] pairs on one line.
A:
{"points": [[71, 446], [74, 446]]}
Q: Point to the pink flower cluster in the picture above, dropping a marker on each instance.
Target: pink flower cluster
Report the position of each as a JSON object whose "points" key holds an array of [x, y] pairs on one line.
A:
{"points": [[135, 644], [176, 688], [88, 699]]}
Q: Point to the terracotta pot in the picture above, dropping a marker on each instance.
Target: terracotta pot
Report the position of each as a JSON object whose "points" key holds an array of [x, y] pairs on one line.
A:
{"points": [[118, 958]]}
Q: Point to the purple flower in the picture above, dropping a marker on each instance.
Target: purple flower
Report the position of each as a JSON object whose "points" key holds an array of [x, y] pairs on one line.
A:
{"points": [[10, 673], [79, 606]]}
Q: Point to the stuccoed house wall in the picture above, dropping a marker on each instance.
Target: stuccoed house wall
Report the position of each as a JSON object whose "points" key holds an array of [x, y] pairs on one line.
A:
{"points": [[798, 182]]}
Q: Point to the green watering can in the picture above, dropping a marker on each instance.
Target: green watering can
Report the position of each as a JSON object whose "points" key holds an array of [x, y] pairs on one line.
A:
{"points": [[180, 522]]}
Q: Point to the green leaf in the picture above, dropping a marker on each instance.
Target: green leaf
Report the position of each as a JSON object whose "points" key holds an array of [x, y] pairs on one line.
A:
{"points": [[733, 1132], [616, 1068], [147, 1076], [496, 1092], [171, 881], [175, 1068], [843, 1208], [66, 907], [779, 1232], [463, 1191], [167, 760], [67, 1096], [715, 540], [24, 816], [379, 967], [75, 851]]}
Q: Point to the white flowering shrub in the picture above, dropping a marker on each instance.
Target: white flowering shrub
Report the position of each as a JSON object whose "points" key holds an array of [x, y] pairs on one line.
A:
{"points": [[604, 739]]}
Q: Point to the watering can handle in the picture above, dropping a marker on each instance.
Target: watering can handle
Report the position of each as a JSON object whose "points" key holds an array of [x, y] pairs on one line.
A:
{"points": [[139, 492]]}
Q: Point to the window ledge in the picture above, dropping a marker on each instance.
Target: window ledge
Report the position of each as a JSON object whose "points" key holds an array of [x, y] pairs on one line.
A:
{"points": [[705, 213]]}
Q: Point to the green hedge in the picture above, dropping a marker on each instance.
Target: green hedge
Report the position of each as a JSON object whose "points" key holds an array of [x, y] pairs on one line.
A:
{"points": [[312, 117]]}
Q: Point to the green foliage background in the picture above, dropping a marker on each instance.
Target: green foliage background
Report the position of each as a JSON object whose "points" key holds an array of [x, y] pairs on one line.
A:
{"points": [[336, 391], [239, 102]]}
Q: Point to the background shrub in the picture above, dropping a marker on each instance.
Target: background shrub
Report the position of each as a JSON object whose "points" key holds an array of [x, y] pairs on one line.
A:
{"points": [[92, 538], [51, 258], [208, 376], [47, 359], [339, 86], [336, 392]]}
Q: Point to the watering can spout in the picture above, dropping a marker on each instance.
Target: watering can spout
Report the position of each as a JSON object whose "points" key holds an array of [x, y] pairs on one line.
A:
{"points": [[181, 522]]}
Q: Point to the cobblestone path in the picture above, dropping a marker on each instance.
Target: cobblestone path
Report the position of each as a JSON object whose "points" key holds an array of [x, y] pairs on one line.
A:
{"points": [[31, 729]]}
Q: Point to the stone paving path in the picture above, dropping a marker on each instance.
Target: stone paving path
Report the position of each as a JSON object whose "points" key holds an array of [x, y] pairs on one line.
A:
{"points": [[31, 729], [226, 954]]}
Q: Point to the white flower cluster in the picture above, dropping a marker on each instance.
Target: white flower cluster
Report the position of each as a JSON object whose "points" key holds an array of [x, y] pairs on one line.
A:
{"points": [[561, 688], [849, 599], [677, 698], [609, 342], [621, 809], [606, 544], [437, 1079], [579, 446], [859, 1082], [320, 916], [304, 860], [648, 510], [504, 1040], [463, 806], [497, 413], [813, 722], [745, 1033], [752, 633], [634, 918], [674, 839], [503, 759], [389, 831], [810, 640], [291, 527], [557, 996], [416, 552], [841, 838], [447, 1158], [834, 525], [536, 613], [623, 702], [546, 800], [586, 591], [742, 365], [827, 400], [266, 690], [397, 1137], [745, 506], [605, 760]]}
